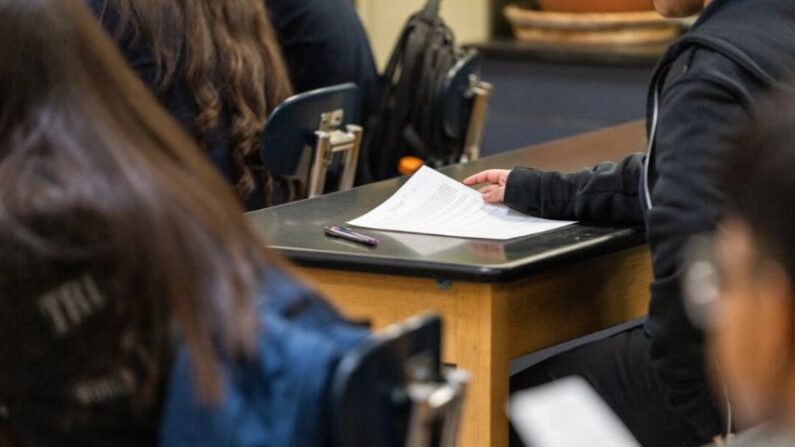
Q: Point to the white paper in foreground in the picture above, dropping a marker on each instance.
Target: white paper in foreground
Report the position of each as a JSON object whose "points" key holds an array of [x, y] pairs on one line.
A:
{"points": [[567, 413], [432, 203]]}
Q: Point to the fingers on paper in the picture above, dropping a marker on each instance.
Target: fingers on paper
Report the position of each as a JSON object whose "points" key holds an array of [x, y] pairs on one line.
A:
{"points": [[488, 176], [494, 195], [487, 189]]}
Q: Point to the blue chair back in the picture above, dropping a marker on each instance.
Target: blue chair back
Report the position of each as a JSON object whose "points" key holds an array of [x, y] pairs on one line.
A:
{"points": [[368, 395], [291, 126], [457, 98]]}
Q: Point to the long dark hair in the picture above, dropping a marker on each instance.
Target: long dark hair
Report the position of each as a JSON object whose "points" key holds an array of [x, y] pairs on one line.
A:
{"points": [[93, 171], [231, 60]]}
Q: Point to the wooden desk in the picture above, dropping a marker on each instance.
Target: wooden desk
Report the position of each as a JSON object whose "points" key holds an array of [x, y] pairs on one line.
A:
{"points": [[498, 300]]}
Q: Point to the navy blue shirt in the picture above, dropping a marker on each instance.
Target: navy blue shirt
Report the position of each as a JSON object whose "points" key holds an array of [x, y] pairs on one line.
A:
{"points": [[324, 44]]}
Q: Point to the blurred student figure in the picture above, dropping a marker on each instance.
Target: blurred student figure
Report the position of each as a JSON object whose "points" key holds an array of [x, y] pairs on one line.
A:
{"points": [[744, 291], [324, 44], [137, 307], [702, 96], [217, 67]]}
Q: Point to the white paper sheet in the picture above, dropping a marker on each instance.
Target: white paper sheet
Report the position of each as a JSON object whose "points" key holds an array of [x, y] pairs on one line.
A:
{"points": [[567, 413], [432, 203]]}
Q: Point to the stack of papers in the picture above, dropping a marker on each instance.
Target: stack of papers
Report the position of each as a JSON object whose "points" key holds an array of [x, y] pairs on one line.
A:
{"points": [[432, 203]]}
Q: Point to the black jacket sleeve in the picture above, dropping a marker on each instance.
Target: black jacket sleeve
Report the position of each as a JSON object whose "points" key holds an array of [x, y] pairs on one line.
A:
{"points": [[700, 120], [608, 192]]}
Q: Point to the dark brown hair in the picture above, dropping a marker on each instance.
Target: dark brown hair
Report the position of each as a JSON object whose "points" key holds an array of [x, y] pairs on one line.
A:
{"points": [[231, 60], [92, 170]]}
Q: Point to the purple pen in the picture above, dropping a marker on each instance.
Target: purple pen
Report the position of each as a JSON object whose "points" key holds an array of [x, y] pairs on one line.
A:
{"points": [[350, 235]]}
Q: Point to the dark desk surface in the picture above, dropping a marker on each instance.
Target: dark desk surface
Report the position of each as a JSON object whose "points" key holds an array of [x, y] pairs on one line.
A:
{"points": [[296, 229]]}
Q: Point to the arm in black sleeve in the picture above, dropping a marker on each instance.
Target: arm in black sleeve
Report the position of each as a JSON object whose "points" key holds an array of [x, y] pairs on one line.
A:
{"points": [[608, 192], [700, 120]]}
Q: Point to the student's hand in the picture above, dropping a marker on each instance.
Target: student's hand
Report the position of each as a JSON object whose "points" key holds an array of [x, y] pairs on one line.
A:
{"points": [[494, 191]]}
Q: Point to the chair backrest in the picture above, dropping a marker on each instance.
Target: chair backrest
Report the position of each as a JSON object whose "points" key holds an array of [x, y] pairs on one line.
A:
{"points": [[374, 395], [463, 104], [456, 97], [292, 126]]}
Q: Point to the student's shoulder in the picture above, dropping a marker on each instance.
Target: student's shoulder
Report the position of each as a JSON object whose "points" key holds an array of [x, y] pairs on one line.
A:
{"points": [[281, 293], [289, 304], [705, 72], [703, 64], [707, 61], [313, 17], [301, 339]]}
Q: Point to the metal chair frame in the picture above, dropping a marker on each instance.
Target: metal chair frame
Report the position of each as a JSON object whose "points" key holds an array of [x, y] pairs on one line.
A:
{"points": [[465, 100], [392, 390], [332, 140], [437, 403], [481, 95]]}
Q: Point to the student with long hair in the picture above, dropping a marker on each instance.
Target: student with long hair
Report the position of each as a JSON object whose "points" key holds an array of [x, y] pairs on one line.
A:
{"points": [[133, 294], [217, 67]]}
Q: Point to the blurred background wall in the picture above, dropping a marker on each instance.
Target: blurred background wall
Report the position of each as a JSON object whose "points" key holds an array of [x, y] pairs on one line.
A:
{"points": [[470, 19]]}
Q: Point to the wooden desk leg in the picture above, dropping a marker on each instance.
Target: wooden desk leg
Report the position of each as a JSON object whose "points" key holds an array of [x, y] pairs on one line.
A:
{"points": [[482, 349]]}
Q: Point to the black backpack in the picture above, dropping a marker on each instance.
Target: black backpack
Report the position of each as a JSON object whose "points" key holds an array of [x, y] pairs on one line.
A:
{"points": [[407, 118]]}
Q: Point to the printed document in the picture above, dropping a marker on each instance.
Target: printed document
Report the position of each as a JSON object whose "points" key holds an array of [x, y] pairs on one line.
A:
{"points": [[432, 203], [567, 413]]}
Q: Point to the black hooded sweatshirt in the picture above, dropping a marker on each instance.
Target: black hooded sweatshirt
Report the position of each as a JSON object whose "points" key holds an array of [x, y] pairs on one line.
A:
{"points": [[702, 99]]}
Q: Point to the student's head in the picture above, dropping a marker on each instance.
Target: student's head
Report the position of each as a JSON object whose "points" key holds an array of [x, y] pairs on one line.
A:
{"points": [[227, 54], [753, 336], [95, 178], [679, 8]]}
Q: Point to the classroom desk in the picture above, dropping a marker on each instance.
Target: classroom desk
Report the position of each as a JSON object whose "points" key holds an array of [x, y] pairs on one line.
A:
{"points": [[498, 300]]}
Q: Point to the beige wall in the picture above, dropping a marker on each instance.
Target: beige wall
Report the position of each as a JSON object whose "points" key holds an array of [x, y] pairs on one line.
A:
{"points": [[384, 19]]}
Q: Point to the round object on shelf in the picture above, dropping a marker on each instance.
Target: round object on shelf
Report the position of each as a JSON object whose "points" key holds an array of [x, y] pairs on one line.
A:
{"points": [[591, 29], [596, 5]]}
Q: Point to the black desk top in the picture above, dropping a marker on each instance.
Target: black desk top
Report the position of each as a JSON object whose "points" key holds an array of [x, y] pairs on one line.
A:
{"points": [[296, 229]]}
